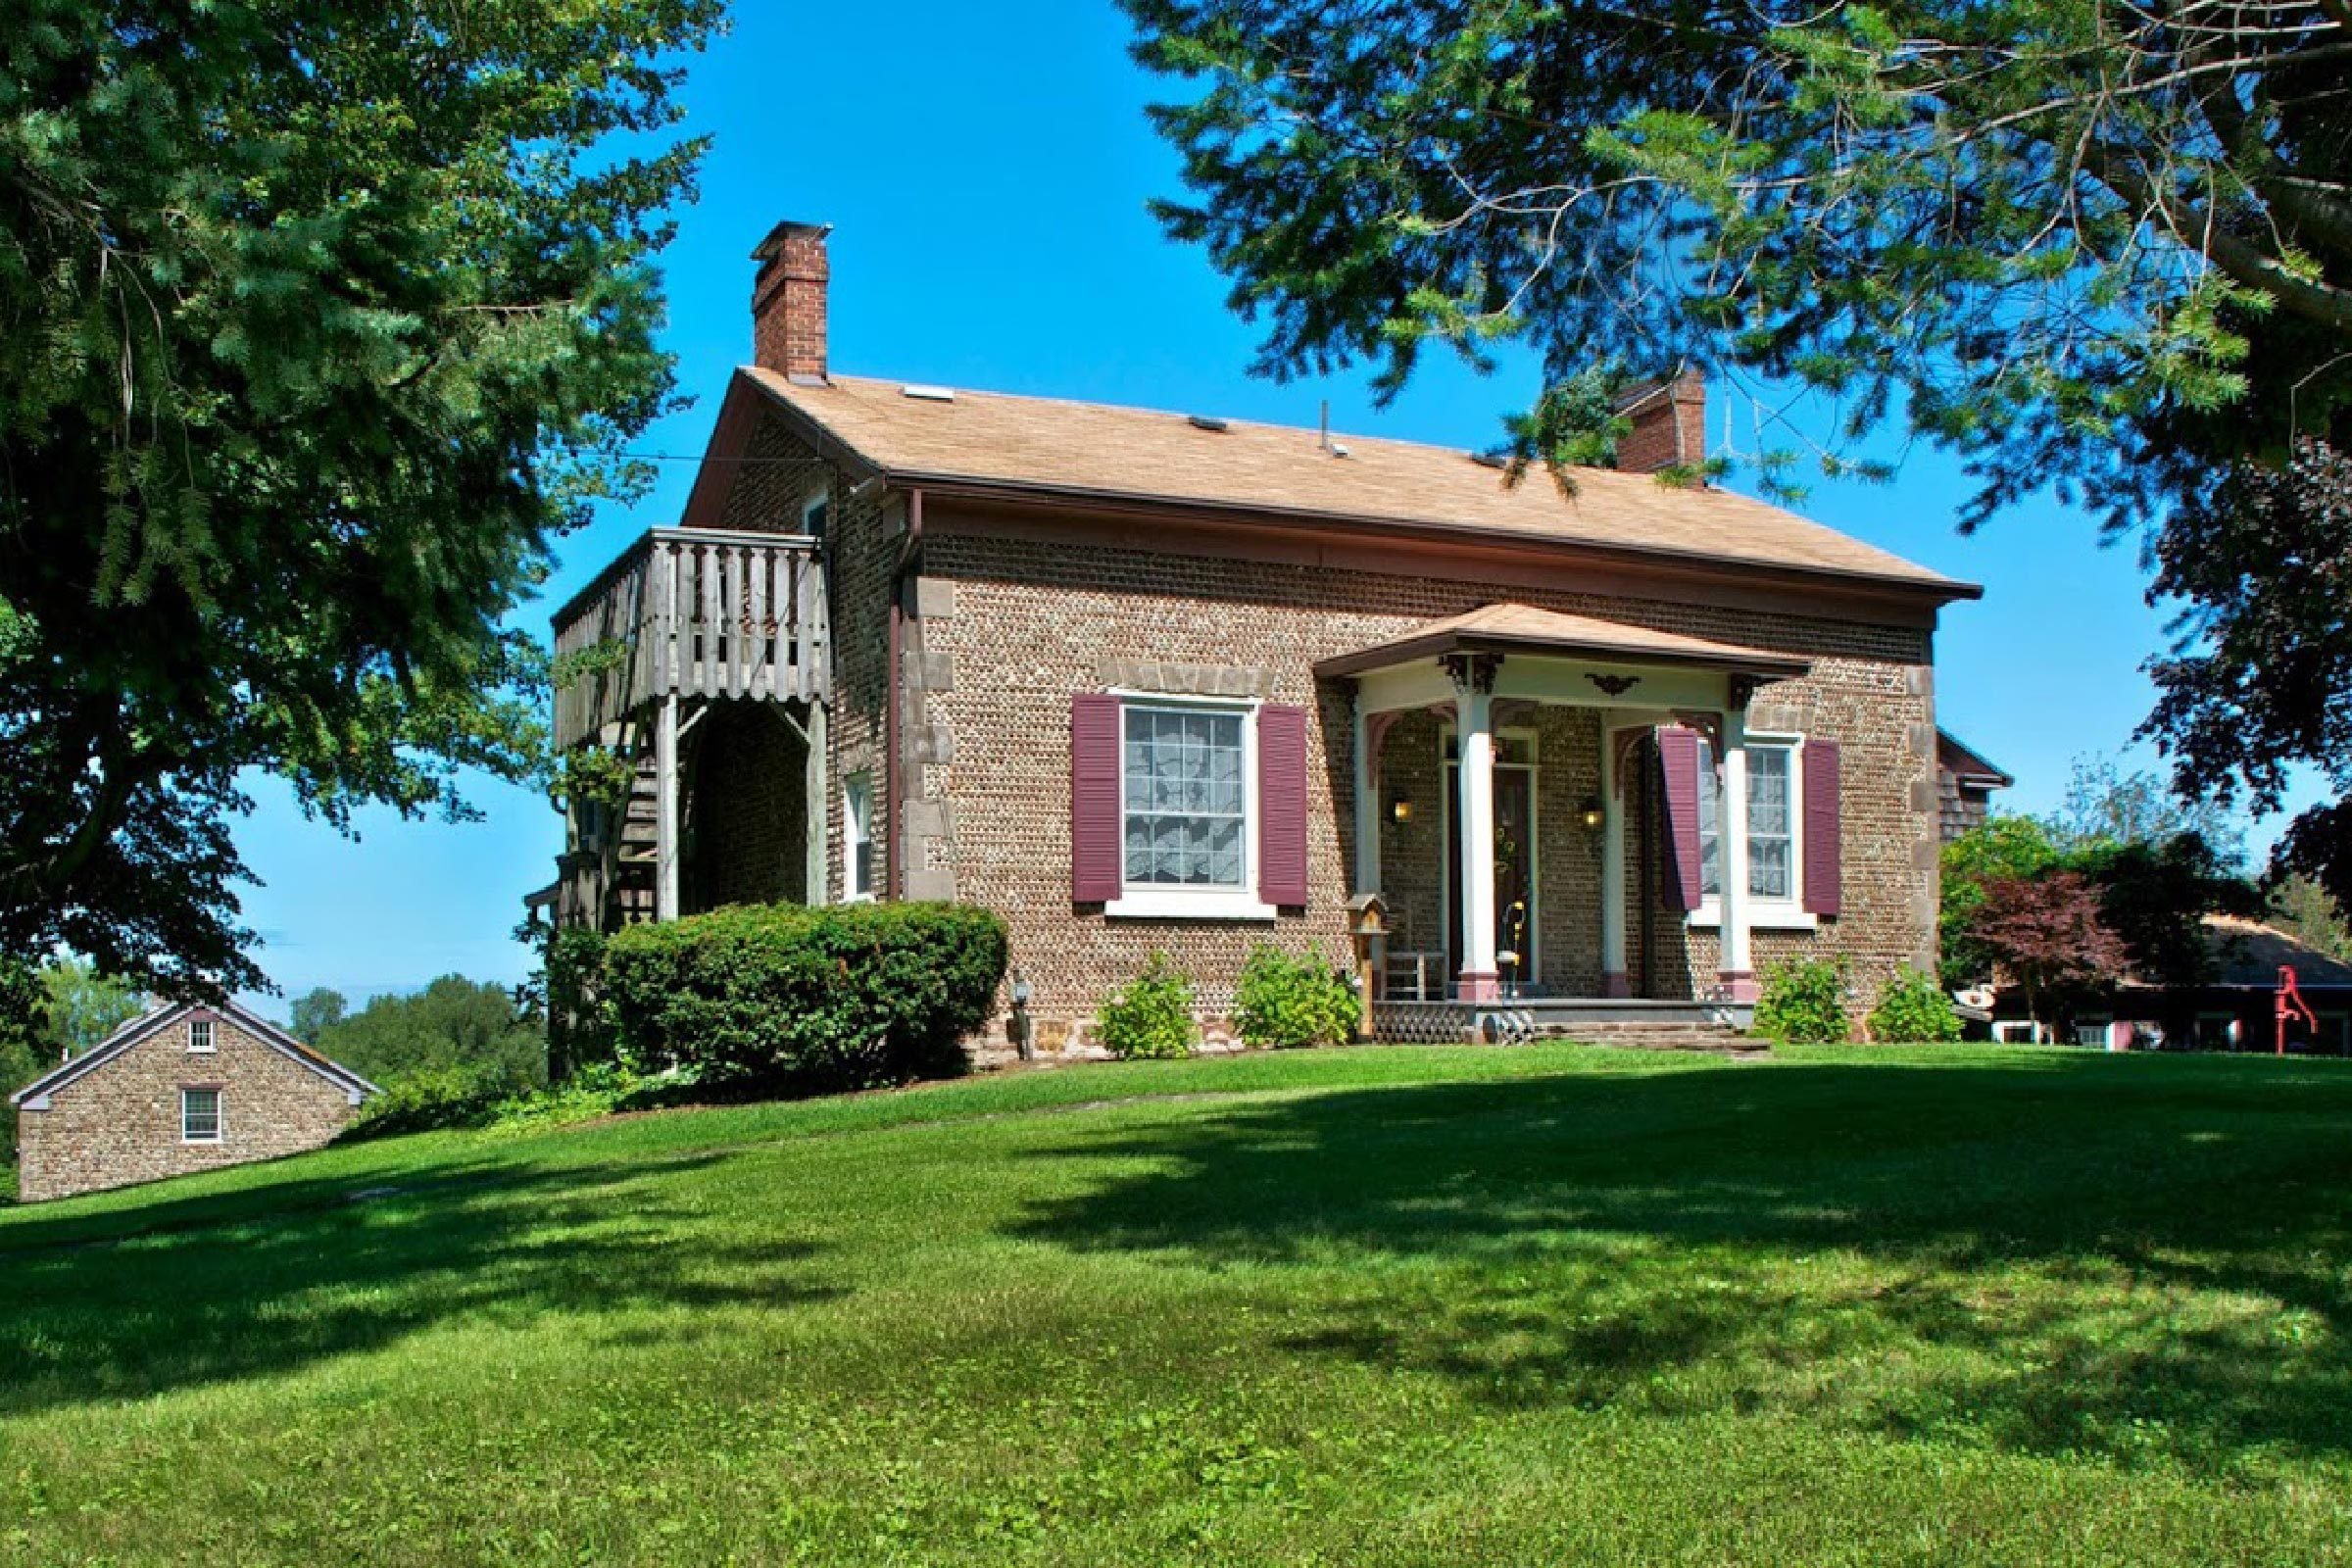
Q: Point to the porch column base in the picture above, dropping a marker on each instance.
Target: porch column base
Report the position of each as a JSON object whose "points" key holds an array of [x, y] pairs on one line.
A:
{"points": [[1480, 986], [1616, 984], [1740, 985]]}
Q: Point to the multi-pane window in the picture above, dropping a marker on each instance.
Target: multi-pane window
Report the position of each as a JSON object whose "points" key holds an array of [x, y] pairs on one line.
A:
{"points": [[1770, 822], [200, 1115], [858, 811], [1187, 798], [200, 1037]]}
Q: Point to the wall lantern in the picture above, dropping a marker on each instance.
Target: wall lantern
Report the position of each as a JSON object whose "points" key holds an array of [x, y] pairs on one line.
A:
{"points": [[1401, 810], [1590, 815]]}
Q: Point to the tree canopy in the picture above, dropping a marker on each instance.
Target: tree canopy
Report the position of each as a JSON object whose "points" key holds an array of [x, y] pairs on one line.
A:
{"points": [[452, 1023], [317, 322], [2096, 247]]}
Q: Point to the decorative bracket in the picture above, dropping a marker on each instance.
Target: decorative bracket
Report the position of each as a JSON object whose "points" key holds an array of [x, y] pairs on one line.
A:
{"points": [[1710, 729], [1472, 672], [1613, 685], [1744, 689]]}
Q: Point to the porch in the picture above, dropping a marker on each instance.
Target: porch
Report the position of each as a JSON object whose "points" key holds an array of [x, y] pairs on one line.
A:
{"points": [[699, 660], [1555, 811]]}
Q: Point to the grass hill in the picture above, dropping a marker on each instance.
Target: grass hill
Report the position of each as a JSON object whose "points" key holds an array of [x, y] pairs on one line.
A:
{"points": [[1362, 1306]]}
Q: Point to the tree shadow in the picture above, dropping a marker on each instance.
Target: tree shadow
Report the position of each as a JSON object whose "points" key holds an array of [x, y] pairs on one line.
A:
{"points": [[2069, 1256], [213, 1290]]}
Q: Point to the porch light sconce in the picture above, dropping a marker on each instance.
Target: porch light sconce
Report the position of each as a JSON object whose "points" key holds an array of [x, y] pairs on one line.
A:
{"points": [[1401, 810], [1590, 815]]}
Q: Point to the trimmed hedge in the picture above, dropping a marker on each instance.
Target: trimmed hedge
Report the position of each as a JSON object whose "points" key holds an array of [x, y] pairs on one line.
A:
{"points": [[807, 1000]]}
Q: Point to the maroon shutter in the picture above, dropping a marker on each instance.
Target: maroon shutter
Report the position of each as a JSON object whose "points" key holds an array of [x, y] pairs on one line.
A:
{"points": [[1094, 859], [1824, 878], [1677, 751], [1282, 806]]}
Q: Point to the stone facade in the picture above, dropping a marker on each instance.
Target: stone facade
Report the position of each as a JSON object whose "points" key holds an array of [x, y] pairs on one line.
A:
{"points": [[120, 1123], [997, 627]]}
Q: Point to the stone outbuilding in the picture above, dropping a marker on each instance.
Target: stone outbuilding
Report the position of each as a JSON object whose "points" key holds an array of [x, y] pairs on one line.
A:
{"points": [[188, 1087]]}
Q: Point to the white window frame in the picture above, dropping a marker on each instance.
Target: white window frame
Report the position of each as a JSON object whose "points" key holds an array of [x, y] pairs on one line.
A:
{"points": [[1151, 901], [219, 1132], [1763, 913], [856, 833], [202, 1039]]}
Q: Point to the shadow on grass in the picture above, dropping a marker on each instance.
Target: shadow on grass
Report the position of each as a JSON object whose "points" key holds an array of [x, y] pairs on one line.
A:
{"points": [[207, 1290], [2128, 1259]]}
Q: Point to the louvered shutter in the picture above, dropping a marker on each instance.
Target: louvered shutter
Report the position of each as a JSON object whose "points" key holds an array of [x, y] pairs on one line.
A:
{"points": [[1282, 806], [1095, 836], [1824, 834], [1677, 753]]}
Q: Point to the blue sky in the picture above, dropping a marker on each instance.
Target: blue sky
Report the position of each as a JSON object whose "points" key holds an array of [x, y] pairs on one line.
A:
{"points": [[986, 169]]}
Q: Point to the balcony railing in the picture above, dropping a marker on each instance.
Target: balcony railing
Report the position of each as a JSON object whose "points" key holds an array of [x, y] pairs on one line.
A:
{"points": [[692, 613]]}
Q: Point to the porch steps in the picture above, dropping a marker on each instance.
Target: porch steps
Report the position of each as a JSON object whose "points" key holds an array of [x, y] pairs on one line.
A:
{"points": [[1719, 1038]]}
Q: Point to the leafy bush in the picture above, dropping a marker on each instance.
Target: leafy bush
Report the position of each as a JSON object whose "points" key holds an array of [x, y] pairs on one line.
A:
{"points": [[1803, 1001], [1914, 1009], [780, 996], [426, 1098], [1152, 1016], [579, 1026], [1285, 1001]]}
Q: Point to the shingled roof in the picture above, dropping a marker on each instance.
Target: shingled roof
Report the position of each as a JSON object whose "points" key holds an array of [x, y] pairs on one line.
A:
{"points": [[992, 441], [1506, 627]]}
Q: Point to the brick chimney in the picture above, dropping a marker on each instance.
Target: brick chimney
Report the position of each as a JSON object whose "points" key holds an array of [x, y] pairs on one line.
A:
{"points": [[1670, 424], [787, 301]]}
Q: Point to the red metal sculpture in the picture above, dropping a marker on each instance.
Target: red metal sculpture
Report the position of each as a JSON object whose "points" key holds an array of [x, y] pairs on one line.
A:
{"points": [[2290, 1005]]}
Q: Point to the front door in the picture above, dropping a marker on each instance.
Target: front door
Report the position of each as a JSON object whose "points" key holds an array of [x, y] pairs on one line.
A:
{"points": [[1514, 876]]}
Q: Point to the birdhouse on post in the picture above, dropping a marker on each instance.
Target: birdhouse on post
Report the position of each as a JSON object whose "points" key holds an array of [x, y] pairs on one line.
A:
{"points": [[1368, 929]]}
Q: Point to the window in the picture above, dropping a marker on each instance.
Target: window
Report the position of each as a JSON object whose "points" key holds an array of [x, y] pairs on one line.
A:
{"points": [[816, 512], [1185, 788], [200, 1115], [1770, 822], [200, 1037], [858, 811]]}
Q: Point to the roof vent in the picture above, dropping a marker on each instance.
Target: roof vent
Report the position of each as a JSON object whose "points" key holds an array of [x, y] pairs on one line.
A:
{"points": [[1209, 422], [1491, 460], [928, 394], [1338, 449]]}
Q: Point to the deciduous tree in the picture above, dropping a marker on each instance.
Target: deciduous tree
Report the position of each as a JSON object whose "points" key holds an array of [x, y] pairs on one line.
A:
{"points": [[2099, 247], [2048, 936]]}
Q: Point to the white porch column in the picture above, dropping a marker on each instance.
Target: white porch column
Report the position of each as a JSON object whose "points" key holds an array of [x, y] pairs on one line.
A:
{"points": [[1736, 971], [1616, 976], [665, 811], [1367, 806], [1474, 731]]}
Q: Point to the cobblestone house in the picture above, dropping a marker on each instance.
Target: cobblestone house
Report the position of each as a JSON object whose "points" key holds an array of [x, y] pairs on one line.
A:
{"points": [[184, 1089], [1151, 681]]}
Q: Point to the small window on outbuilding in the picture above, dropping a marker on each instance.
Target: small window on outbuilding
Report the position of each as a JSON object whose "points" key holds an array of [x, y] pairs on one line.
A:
{"points": [[200, 1037], [200, 1115]]}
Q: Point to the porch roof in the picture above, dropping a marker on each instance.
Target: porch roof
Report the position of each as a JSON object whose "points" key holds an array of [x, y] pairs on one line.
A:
{"points": [[1508, 628]]}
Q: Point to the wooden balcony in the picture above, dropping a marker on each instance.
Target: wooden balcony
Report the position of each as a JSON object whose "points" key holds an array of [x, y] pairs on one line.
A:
{"points": [[693, 614]]}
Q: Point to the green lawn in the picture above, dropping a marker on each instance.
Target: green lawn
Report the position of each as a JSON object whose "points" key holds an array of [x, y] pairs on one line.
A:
{"points": [[1379, 1306]]}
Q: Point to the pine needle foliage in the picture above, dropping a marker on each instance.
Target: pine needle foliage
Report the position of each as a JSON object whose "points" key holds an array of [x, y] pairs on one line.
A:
{"points": [[318, 320]]}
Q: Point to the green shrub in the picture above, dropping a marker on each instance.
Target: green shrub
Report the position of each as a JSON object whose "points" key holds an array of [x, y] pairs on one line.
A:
{"points": [[1151, 1016], [776, 997], [1285, 1001], [459, 1095], [1804, 1003], [1914, 1009], [579, 1026]]}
